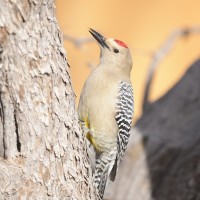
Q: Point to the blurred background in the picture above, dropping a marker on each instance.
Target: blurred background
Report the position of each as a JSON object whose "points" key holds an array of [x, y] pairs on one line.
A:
{"points": [[144, 26]]}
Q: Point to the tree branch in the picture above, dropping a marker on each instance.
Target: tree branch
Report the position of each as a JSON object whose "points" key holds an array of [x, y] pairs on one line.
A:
{"points": [[161, 53], [78, 42]]}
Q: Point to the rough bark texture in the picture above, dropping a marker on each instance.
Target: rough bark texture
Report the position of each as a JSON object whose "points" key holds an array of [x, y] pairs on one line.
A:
{"points": [[42, 150], [163, 159]]}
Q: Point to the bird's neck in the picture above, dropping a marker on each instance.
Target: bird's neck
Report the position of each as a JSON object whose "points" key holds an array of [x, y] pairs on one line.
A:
{"points": [[115, 71]]}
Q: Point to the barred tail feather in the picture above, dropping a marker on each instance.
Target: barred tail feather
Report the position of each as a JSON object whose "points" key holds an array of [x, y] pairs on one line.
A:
{"points": [[114, 171], [104, 165], [102, 185]]}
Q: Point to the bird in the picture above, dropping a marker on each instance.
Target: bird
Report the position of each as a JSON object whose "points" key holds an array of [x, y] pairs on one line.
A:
{"points": [[106, 108]]}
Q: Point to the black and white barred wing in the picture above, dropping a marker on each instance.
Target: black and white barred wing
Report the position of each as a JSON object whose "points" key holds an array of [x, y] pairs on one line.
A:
{"points": [[125, 109], [124, 116]]}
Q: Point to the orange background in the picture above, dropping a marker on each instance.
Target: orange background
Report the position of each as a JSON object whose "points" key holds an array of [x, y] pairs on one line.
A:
{"points": [[141, 25]]}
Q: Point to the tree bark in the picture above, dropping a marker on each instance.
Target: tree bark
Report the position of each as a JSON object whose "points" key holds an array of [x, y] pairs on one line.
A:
{"points": [[163, 157], [43, 153]]}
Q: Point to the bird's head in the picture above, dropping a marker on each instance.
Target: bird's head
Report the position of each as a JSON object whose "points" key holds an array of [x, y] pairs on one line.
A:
{"points": [[113, 52]]}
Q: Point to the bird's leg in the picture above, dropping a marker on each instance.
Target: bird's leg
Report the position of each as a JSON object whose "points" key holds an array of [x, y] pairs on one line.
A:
{"points": [[86, 131], [89, 135]]}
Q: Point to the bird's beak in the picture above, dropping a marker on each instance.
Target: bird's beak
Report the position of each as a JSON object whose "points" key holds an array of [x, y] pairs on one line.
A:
{"points": [[100, 39]]}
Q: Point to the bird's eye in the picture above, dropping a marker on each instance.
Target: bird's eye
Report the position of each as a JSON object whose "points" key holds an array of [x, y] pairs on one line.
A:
{"points": [[116, 50]]}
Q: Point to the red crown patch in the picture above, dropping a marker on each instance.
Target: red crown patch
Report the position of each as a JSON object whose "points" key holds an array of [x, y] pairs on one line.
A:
{"points": [[121, 43]]}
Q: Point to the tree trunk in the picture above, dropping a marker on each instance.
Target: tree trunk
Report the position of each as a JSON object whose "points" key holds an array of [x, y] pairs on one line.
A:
{"points": [[163, 157], [43, 153]]}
